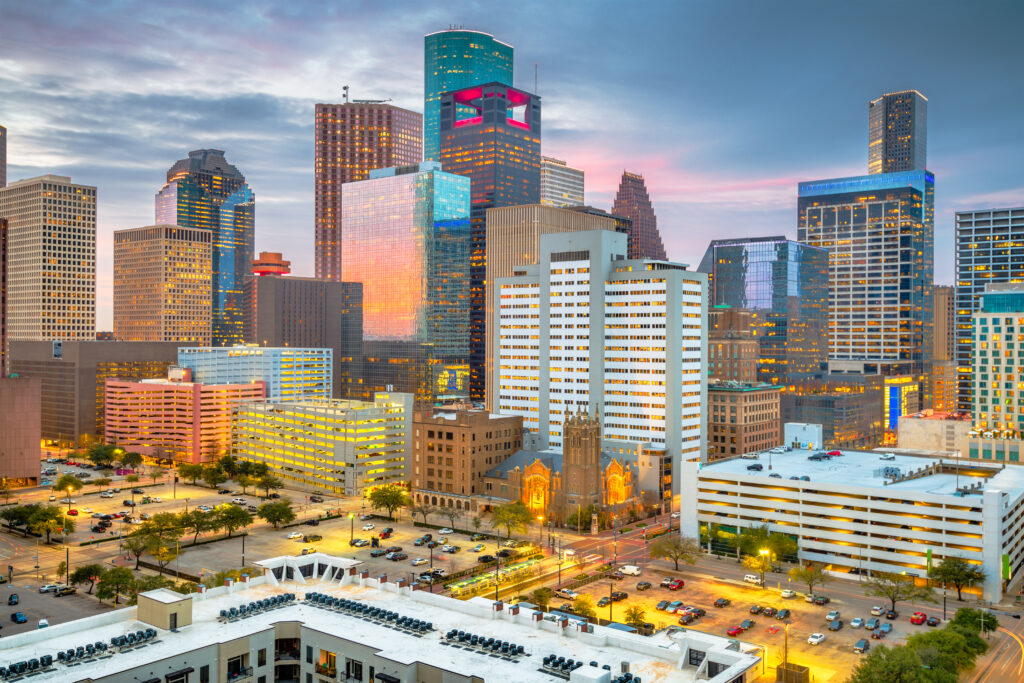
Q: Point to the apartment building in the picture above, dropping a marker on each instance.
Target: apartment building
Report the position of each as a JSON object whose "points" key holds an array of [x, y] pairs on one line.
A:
{"points": [[290, 374]]}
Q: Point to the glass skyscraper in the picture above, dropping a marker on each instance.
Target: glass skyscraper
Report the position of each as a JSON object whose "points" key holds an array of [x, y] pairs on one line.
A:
{"points": [[406, 239], [784, 284], [453, 60], [898, 132], [205, 191]]}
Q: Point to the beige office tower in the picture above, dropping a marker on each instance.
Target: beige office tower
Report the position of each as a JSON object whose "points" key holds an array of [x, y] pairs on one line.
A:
{"points": [[513, 239], [51, 276], [162, 281], [560, 184]]}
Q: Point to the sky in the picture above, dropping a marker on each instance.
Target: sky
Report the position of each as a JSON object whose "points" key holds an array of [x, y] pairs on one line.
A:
{"points": [[722, 106]]}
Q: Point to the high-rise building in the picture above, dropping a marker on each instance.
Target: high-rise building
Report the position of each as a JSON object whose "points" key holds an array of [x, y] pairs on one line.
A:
{"points": [[353, 139], [341, 447], [20, 425], [784, 285], [162, 284], [406, 242], [898, 132], [205, 192], [944, 308], [73, 374], [499, 150], [588, 330], [3, 156], [513, 239], [847, 406], [453, 60], [289, 374], [987, 251], [633, 202], [743, 417], [998, 359], [733, 351], [51, 259], [3, 297], [560, 184]]}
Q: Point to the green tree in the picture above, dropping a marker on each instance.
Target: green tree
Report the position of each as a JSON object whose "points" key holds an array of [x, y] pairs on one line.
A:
{"points": [[253, 469], [476, 522], [975, 619], [156, 474], [68, 481], [422, 509], [19, 516], [48, 520], [164, 525], [197, 522], [189, 471], [277, 512], [896, 588], [101, 454], [813, 574], [636, 616], [150, 582], [541, 596], [959, 572], [5, 491], [676, 548], [268, 482], [62, 569], [893, 665], [100, 483], [943, 649], [132, 479], [754, 539], [130, 460], [115, 582], [512, 516], [245, 481], [583, 605], [228, 465], [163, 551], [214, 476], [231, 518], [390, 498], [136, 546], [87, 573], [759, 564], [452, 514]]}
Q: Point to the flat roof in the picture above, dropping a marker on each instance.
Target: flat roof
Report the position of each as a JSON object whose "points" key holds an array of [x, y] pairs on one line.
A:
{"points": [[165, 595]]}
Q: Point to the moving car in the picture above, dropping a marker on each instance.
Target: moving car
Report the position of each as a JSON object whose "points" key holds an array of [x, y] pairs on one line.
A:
{"points": [[856, 622], [418, 561], [918, 618], [477, 537], [316, 499], [816, 639], [787, 593], [238, 501], [862, 646]]}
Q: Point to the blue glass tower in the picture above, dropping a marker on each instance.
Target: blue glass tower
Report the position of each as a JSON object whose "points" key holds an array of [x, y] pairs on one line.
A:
{"points": [[205, 191], [453, 60]]}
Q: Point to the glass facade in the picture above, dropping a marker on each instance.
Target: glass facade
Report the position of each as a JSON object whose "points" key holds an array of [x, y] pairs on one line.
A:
{"points": [[897, 132], [205, 191], [407, 241], [499, 150], [453, 60], [289, 374], [997, 378], [784, 284]]}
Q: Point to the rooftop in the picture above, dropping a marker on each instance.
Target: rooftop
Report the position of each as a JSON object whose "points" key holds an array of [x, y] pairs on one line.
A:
{"points": [[962, 416]]}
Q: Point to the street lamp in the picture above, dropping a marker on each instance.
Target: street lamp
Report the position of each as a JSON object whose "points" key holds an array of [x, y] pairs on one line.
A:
{"points": [[540, 530], [765, 557], [351, 527]]}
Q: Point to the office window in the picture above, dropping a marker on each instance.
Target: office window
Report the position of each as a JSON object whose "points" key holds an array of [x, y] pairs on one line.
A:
{"points": [[309, 654], [204, 673]]}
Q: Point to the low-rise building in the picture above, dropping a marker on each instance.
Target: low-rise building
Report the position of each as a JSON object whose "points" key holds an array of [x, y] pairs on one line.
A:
{"points": [[934, 430], [860, 512], [742, 417], [289, 373], [847, 406], [336, 446], [20, 410]]}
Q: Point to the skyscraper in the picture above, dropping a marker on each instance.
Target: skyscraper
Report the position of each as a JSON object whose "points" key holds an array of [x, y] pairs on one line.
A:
{"points": [[633, 202], [560, 184], [499, 150], [406, 242], [351, 140], [51, 259], [205, 192], [997, 360], [988, 251], [3, 298], [453, 60], [3, 156], [162, 284], [897, 132]]}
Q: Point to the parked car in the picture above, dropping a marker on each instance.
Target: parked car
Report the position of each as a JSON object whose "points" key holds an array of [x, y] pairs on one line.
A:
{"points": [[106, 494], [446, 531], [816, 639], [877, 611], [618, 596], [140, 491], [723, 602], [676, 585], [835, 625], [892, 614], [747, 624], [505, 552], [643, 585], [885, 628], [378, 552], [308, 551], [604, 602], [756, 467], [918, 618], [418, 561], [49, 588], [856, 622], [19, 618], [787, 593], [673, 606], [687, 618], [73, 512], [485, 558], [479, 547], [752, 578], [312, 538], [834, 614], [783, 614], [871, 624], [769, 611], [734, 630], [566, 594], [13, 599], [933, 621], [398, 557], [756, 609], [822, 600], [367, 527], [128, 503], [316, 499], [295, 534], [64, 590], [239, 501], [862, 646], [477, 537]]}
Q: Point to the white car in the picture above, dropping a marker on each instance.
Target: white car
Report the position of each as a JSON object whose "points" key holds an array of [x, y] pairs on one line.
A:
{"points": [[49, 588], [787, 593], [86, 509], [295, 534], [236, 501], [418, 561], [816, 639], [106, 494], [675, 515], [856, 622], [446, 531], [832, 616], [97, 515], [446, 548], [877, 611], [156, 499], [566, 594], [367, 527]]}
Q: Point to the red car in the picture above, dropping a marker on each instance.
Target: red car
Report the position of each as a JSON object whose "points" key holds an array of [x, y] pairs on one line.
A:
{"points": [[834, 453], [918, 618], [676, 585], [734, 631], [73, 512]]}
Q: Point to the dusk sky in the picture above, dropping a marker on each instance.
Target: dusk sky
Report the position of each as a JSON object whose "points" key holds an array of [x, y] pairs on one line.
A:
{"points": [[723, 106]]}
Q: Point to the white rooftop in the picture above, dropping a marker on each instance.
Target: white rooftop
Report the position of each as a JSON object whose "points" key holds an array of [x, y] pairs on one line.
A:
{"points": [[168, 597]]}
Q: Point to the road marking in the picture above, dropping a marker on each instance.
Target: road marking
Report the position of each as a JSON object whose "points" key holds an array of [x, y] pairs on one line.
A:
{"points": [[1020, 667]]}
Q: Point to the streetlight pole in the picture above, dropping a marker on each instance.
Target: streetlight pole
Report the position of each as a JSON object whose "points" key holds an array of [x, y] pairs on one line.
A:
{"points": [[764, 552], [540, 530], [432, 577], [244, 534], [352, 530], [611, 603], [69, 499]]}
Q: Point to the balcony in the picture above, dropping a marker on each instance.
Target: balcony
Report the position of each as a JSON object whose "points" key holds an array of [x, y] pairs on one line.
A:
{"points": [[282, 656], [327, 670], [239, 675]]}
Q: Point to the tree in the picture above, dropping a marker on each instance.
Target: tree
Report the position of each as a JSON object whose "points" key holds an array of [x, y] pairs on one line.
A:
{"points": [[390, 498], [754, 539], [541, 596], [228, 465], [267, 482], [101, 454], [88, 573], [245, 481], [422, 509], [452, 514], [636, 616], [944, 649], [277, 513], [156, 473], [513, 516], [197, 522], [62, 568], [68, 481], [896, 588], [48, 520], [114, 582], [583, 605], [975, 619], [164, 552], [132, 479], [136, 546], [231, 518], [130, 460], [5, 491], [214, 476], [476, 522], [759, 564], [19, 515], [676, 548], [150, 582], [189, 471], [101, 482], [892, 665], [813, 574], [165, 525], [252, 469], [958, 572]]}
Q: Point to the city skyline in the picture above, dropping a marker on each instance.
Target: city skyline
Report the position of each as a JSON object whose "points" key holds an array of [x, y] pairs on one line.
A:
{"points": [[710, 166]]}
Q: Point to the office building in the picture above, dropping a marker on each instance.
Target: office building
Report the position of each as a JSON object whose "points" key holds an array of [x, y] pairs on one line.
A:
{"points": [[20, 425], [849, 408], [944, 385], [859, 513], [633, 202], [998, 361], [3, 297], [304, 312], [162, 284], [73, 375], [453, 448], [175, 417], [587, 329], [3, 156], [205, 192], [944, 308], [560, 184], [937, 431], [353, 139], [289, 374], [320, 617], [51, 259], [513, 239], [743, 417], [452, 60], [338, 447], [406, 242], [784, 284], [988, 250], [879, 232], [733, 351], [498, 148], [898, 133]]}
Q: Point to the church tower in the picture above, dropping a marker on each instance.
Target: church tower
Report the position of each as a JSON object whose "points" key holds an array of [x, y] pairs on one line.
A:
{"points": [[581, 459]]}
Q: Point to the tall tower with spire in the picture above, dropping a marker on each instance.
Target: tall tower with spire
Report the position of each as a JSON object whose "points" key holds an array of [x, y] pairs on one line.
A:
{"points": [[633, 202]]}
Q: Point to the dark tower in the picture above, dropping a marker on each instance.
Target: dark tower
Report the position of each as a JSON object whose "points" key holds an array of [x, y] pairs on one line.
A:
{"points": [[633, 202]]}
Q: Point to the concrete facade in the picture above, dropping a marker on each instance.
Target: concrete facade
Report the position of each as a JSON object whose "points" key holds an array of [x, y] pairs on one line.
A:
{"points": [[935, 431], [20, 416], [560, 184], [290, 374]]}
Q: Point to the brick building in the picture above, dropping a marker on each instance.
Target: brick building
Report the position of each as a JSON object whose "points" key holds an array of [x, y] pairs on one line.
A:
{"points": [[742, 417]]}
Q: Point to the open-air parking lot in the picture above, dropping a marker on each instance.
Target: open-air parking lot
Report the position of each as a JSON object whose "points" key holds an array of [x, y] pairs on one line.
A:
{"points": [[35, 606]]}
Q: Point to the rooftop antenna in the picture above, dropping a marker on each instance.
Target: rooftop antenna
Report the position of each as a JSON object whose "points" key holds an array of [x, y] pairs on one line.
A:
{"points": [[344, 90]]}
